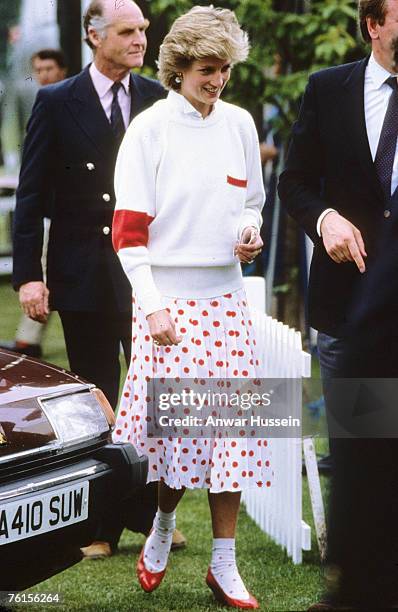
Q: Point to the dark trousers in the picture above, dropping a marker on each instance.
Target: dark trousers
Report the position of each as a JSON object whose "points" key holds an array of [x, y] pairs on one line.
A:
{"points": [[330, 353], [362, 517], [93, 345]]}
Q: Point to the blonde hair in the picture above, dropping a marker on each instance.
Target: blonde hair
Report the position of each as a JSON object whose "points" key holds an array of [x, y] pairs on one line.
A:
{"points": [[203, 32]]}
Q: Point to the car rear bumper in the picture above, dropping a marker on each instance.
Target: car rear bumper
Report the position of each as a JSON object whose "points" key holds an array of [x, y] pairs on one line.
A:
{"points": [[100, 483]]}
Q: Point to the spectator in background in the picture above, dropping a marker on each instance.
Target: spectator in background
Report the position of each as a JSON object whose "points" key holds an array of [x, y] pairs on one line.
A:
{"points": [[49, 66]]}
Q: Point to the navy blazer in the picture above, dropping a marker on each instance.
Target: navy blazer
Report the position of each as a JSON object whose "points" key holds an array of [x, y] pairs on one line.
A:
{"points": [[329, 165], [69, 159]]}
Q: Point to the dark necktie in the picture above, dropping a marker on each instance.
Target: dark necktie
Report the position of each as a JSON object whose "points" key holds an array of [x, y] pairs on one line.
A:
{"points": [[385, 154], [117, 123]]}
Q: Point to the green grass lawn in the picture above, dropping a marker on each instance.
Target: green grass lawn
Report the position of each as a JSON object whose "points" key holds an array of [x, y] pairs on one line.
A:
{"points": [[111, 585]]}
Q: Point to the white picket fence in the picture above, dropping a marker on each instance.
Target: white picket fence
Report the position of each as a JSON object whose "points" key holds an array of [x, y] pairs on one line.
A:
{"points": [[278, 509]]}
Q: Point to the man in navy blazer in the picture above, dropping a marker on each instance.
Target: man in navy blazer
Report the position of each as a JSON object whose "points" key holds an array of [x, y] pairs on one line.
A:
{"points": [[334, 187], [331, 184], [69, 157]]}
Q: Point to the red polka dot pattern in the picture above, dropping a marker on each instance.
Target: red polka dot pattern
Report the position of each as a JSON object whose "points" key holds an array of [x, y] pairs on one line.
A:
{"points": [[218, 341]]}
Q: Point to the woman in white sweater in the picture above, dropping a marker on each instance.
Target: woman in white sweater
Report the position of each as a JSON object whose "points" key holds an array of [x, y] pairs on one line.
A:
{"points": [[189, 197]]}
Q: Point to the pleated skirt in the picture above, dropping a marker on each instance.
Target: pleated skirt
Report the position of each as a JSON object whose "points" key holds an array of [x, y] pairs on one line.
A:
{"points": [[218, 342]]}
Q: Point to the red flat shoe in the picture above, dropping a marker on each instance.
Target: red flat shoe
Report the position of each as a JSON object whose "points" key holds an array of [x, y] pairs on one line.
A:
{"points": [[221, 596], [149, 581]]}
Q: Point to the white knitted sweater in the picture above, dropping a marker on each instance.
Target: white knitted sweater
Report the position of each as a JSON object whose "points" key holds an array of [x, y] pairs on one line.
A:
{"points": [[186, 187]]}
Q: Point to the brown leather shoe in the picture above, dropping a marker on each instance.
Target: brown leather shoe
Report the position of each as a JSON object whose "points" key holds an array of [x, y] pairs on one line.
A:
{"points": [[97, 550], [179, 540]]}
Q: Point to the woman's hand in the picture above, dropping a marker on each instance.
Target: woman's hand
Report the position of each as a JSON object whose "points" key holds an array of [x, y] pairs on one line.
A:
{"points": [[250, 245], [162, 328]]}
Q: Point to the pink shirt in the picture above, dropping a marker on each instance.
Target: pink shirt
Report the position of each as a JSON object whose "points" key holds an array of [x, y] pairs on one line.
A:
{"points": [[103, 86]]}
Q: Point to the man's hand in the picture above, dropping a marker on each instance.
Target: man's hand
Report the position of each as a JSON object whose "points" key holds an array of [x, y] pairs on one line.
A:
{"points": [[162, 328], [33, 298], [342, 240], [250, 245], [267, 152]]}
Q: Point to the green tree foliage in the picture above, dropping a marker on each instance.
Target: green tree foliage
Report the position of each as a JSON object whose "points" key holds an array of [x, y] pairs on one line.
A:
{"points": [[297, 38]]}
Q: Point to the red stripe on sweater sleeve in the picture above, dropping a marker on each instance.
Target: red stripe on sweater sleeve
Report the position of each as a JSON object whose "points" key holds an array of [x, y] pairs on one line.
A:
{"points": [[130, 229], [237, 182]]}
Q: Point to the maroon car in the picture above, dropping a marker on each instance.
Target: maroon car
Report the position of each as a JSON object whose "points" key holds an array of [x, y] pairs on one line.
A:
{"points": [[59, 470]]}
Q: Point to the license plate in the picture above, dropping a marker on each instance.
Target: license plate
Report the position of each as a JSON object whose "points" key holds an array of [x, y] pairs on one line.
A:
{"points": [[44, 512]]}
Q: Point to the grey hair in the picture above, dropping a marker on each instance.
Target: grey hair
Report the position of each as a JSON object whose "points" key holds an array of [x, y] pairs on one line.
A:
{"points": [[94, 18], [99, 24], [203, 32]]}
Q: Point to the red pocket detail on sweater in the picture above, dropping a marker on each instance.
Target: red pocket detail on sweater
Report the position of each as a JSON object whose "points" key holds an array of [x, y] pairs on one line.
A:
{"points": [[237, 182]]}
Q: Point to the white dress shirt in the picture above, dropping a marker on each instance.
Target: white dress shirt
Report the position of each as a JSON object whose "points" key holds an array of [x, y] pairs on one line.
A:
{"points": [[376, 96], [103, 86]]}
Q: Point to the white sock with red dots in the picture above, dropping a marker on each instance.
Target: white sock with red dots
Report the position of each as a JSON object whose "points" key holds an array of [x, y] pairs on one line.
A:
{"points": [[158, 544], [224, 570]]}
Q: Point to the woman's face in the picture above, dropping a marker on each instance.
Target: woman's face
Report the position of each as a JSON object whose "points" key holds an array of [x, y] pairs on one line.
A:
{"points": [[203, 82]]}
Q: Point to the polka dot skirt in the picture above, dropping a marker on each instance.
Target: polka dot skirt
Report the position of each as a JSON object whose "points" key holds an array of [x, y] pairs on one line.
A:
{"points": [[218, 341]]}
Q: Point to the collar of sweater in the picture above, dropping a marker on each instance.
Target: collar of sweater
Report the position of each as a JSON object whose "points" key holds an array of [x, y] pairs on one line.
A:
{"points": [[184, 112]]}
